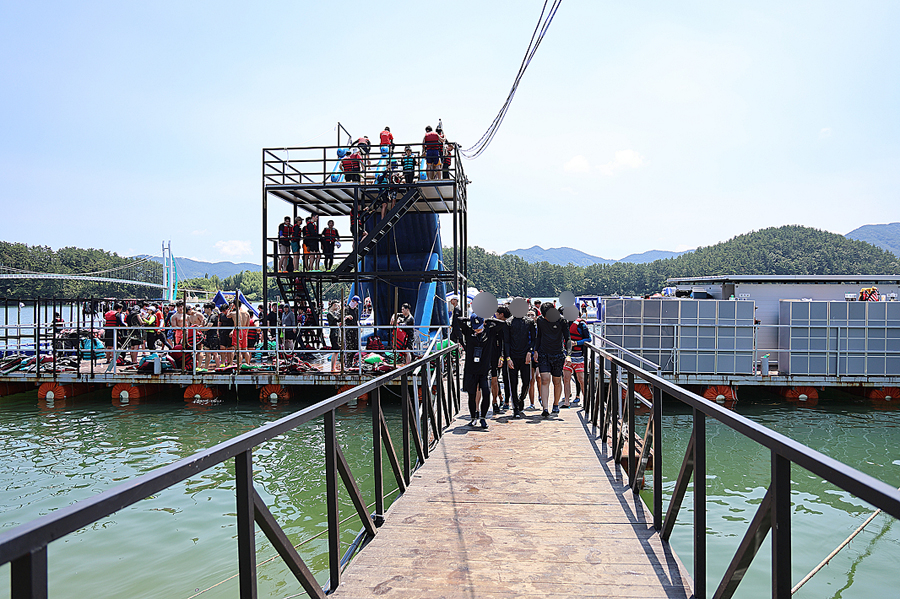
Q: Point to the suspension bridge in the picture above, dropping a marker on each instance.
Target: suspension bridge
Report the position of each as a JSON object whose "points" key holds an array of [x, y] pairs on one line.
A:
{"points": [[146, 271]]}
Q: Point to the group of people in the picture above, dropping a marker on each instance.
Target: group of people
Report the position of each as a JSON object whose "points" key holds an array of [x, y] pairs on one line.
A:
{"points": [[535, 349], [436, 150], [303, 240], [223, 334]]}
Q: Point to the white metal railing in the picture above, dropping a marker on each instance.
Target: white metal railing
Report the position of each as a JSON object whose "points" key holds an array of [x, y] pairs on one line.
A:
{"points": [[195, 348]]}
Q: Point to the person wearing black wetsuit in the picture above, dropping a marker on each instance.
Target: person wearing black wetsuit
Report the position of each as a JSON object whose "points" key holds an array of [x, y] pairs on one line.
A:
{"points": [[552, 345], [500, 357], [351, 321], [477, 368], [522, 334]]}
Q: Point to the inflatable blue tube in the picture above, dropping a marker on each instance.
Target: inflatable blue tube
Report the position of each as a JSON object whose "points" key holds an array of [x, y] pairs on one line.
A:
{"points": [[337, 175], [426, 299]]}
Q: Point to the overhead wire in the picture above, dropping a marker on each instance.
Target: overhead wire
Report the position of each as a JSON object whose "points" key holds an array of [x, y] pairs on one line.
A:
{"points": [[537, 37]]}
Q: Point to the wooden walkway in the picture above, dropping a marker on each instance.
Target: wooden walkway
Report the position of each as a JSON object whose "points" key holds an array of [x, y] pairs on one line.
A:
{"points": [[528, 507]]}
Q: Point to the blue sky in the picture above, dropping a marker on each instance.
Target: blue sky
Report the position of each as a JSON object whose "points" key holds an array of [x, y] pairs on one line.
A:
{"points": [[638, 126]]}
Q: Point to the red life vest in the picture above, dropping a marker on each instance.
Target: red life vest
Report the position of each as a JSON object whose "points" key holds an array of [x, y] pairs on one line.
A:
{"points": [[575, 334], [111, 319], [330, 234], [432, 141], [350, 163], [386, 138]]}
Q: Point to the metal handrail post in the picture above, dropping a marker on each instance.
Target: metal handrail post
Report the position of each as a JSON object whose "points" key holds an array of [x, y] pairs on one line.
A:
{"points": [[243, 473], [700, 504], [377, 457], [781, 526], [657, 458], [334, 508], [631, 445], [404, 409]]}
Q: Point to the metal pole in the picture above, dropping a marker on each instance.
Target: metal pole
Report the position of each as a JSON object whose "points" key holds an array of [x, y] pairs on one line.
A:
{"points": [[657, 458], [334, 509], [700, 506], [781, 527], [243, 472], [377, 457]]}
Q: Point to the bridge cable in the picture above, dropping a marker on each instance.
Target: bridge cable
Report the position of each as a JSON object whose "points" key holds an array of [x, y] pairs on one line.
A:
{"points": [[536, 38]]}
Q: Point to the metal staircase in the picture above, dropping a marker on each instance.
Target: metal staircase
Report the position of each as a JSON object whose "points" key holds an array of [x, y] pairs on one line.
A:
{"points": [[384, 226]]}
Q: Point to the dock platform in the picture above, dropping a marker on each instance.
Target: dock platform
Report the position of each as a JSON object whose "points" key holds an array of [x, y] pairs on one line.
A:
{"points": [[527, 508]]}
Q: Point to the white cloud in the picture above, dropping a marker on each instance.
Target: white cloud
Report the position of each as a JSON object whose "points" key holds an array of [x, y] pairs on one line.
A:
{"points": [[826, 132], [623, 159], [199, 232], [234, 247], [578, 164]]}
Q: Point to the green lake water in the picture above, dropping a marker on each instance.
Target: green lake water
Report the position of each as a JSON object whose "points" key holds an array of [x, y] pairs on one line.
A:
{"points": [[183, 541]]}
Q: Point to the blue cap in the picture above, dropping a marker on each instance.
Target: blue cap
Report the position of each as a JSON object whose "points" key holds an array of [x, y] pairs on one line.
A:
{"points": [[476, 321], [355, 298]]}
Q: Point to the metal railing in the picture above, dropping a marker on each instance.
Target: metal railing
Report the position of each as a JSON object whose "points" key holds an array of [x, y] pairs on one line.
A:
{"points": [[614, 420], [25, 547], [318, 165], [275, 349]]}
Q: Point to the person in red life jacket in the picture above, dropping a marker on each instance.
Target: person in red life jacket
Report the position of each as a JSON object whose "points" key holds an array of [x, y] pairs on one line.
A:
{"points": [[311, 243], [330, 237], [285, 232], [578, 333], [351, 165], [296, 242], [110, 322], [431, 145], [387, 138]]}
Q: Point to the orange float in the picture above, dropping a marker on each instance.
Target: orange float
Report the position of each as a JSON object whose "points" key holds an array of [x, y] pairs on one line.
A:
{"points": [[721, 394], [127, 391], [645, 391], [197, 391], [884, 398], [806, 397], [274, 393], [55, 391]]}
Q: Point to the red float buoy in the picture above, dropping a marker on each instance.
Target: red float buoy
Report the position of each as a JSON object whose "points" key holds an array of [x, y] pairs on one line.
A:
{"points": [[721, 394]]}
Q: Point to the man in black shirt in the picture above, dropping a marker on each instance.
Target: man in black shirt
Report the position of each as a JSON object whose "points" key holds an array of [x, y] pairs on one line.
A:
{"points": [[499, 357], [552, 344], [522, 335]]}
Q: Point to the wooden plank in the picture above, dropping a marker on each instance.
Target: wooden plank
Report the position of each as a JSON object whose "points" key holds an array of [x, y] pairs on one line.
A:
{"points": [[528, 507]]}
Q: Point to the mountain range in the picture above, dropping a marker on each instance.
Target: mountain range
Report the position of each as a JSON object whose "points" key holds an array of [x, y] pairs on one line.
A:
{"points": [[884, 236], [565, 255], [193, 269]]}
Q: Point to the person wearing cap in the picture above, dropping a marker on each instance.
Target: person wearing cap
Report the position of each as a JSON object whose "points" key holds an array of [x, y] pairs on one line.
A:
{"points": [[351, 165], [455, 312], [408, 162], [476, 373], [351, 322]]}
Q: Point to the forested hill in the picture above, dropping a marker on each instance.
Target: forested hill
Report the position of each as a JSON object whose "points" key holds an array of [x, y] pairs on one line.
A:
{"points": [[789, 250]]}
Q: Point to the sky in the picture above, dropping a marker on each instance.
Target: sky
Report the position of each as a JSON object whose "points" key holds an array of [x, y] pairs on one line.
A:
{"points": [[638, 125]]}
